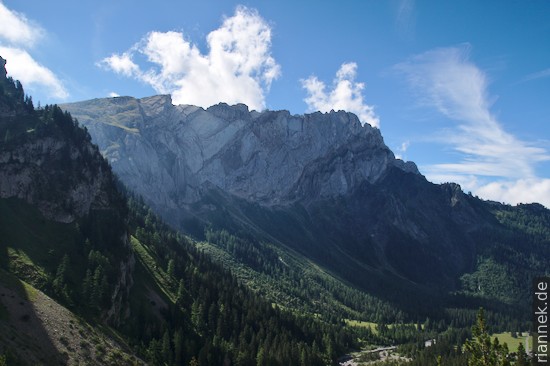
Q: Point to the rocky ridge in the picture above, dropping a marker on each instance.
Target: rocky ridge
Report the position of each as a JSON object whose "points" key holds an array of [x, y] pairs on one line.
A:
{"points": [[270, 157]]}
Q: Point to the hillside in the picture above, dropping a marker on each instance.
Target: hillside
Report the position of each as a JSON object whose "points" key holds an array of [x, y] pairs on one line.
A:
{"points": [[315, 211], [118, 285]]}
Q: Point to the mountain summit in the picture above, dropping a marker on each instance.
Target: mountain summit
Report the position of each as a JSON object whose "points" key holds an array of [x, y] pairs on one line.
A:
{"points": [[271, 157]]}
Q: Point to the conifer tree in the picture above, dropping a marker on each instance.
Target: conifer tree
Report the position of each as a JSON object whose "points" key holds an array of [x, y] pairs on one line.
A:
{"points": [[60, 281], [481, 351], [166, 347], [178, 346], [522, 356], [171, 270]]}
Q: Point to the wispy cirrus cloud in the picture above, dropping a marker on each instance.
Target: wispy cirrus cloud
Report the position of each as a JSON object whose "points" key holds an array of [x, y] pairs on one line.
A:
{"points": [[18, 35], [405, 18], [493, 161], [238, 68], [537, 75], [346, 94]]}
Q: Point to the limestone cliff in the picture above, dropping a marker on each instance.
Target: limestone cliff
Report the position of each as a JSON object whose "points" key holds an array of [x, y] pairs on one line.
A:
{"points": [[171, 154]]}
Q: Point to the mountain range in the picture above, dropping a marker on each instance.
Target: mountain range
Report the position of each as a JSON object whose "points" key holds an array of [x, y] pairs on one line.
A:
{"points": [[319, 189]]}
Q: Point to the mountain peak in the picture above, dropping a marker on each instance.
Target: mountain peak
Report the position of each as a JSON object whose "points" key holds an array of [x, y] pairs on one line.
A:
{"points": [[230, 113], [271, 157]]}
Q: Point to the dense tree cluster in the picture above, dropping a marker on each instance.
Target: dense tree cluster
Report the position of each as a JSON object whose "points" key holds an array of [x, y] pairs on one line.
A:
{"points": [[215, 319]]}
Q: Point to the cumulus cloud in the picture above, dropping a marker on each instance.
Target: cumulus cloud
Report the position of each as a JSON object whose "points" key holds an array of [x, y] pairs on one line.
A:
{"points": [[18, 34], [21, 66], [238, 68], [346, 94], [518, 191], [445, 79], [122, 64]]}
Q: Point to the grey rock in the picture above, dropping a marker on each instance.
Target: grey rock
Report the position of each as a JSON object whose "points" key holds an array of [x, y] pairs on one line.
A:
{"points": [[170, 154], [29, 172]]}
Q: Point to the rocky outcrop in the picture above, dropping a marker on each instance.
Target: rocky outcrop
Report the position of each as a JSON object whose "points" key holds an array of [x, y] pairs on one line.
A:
{"points": [[171, 154], [29, 171]]}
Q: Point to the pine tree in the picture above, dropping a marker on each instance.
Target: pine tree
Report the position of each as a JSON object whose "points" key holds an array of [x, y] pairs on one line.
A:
{"points": [[171, 268], [481, 352], [178, 346], [180, 297], [100, 287], [60, 281], [522, 356], [260, 357], [166, 347], [87, 285]]}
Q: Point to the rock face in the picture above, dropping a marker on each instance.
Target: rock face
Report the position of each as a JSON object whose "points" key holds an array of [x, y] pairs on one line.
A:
{"points": [[51, 167], [29, 172], [170, 154]]}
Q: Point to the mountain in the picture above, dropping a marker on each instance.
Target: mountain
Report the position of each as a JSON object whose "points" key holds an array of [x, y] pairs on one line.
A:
{"points": [[272, 158], [90, 275], [299, 202]]}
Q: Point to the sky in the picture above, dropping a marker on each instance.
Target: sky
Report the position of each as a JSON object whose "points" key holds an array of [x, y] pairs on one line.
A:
{"points": [[462, 88]]}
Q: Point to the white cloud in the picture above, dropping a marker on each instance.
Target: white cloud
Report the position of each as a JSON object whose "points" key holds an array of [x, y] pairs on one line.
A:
{"points": [[17, 35], [537, 75], [238, 68], [121, 64], [21, 66], [113, 95], [446, 80], [17, 29], [518, 191], [401, 150], [346, 94]]}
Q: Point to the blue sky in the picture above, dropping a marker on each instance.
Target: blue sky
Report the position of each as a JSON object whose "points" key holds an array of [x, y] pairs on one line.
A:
{"points": [[460, 87]]}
